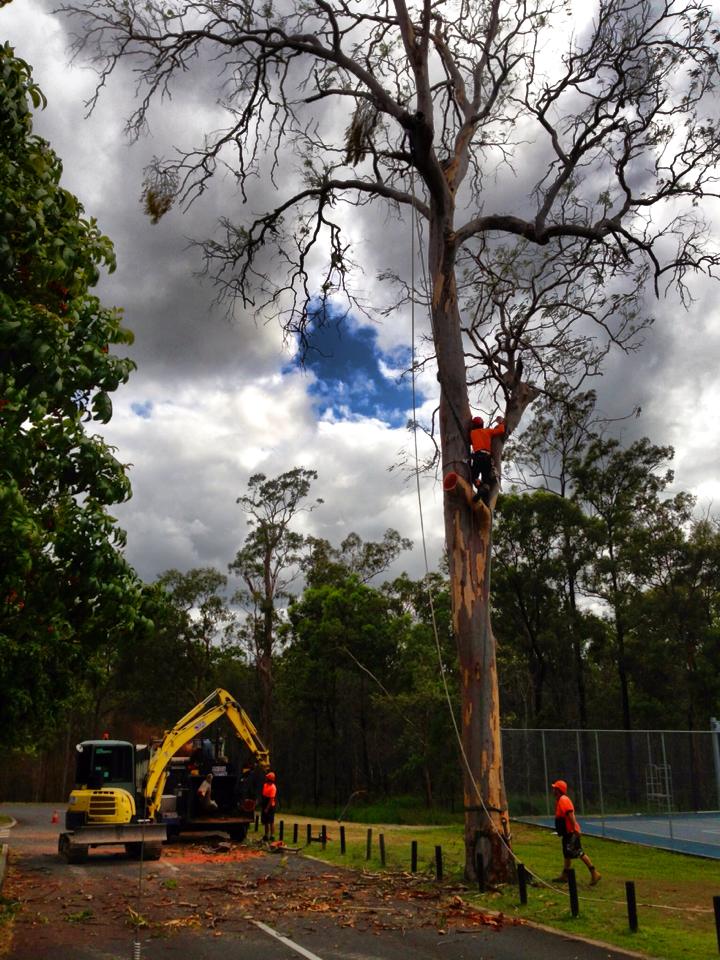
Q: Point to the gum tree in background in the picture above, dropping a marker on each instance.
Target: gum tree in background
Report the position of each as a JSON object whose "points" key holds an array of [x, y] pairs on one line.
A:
{"points": [[65, 589], [557, 169], [204, 620], [267, 563]]}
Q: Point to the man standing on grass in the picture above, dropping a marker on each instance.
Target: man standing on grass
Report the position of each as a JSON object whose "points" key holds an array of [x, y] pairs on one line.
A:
{"points": [[568, 829]]}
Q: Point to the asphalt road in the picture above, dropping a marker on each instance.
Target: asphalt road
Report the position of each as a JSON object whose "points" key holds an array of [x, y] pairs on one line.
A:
{"points": [[203, 903]]}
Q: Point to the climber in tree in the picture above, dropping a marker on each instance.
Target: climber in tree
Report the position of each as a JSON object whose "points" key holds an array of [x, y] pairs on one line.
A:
{"points": [[481, 465]]}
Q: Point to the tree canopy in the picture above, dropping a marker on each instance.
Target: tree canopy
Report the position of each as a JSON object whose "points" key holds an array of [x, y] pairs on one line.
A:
{"points": [[65, 587]]}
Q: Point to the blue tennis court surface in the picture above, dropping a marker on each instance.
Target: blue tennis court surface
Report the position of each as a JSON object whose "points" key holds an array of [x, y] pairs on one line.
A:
{"points": [[694, 833]]}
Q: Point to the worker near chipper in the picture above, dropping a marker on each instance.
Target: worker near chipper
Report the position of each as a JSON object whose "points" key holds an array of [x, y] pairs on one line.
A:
{"points": [[481, 465], [268, 804], [204, 793], [568, 829]]}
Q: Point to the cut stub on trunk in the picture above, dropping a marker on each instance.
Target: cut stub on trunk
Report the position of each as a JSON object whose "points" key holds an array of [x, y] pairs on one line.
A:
{"points": [[454, 483]]}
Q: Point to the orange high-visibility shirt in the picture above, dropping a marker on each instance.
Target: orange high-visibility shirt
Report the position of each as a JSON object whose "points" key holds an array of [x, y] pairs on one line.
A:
{"points": [[563, 807], [481, 437], [269, 792]]}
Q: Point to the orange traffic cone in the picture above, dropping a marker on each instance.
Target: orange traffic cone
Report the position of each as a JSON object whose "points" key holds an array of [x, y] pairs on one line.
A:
{"points": [[55, 817]]}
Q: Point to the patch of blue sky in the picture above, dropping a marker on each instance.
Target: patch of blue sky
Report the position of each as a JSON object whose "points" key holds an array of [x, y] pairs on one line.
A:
{"points": [[354, 378], [143, 410]]}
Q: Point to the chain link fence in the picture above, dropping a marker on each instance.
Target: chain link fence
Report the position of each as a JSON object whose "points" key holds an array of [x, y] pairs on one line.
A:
{"points": [[613, 771]]}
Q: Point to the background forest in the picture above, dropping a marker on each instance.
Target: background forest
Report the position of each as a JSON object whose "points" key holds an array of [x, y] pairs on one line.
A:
{"points": [[606, 600]]}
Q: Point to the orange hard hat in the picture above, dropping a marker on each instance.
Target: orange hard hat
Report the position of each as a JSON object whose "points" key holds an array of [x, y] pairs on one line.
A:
{"points": [[270, 775], [559, 785]]}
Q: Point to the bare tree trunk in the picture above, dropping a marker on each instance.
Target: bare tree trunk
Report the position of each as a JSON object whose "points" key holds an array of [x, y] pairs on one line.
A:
{"points": [[633, 786], [427, 785], [577, 655], [468, 540], [316, 758], [469, 543], [264, 675], [66, 759], [266, 678]]}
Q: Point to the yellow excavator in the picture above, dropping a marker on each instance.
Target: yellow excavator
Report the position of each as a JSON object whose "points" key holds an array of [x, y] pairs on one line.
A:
{"points": [[140, 795]]}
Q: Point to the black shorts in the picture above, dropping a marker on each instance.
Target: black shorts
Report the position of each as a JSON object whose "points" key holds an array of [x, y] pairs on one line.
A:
{"points": [[572, 847], [268, 815]]}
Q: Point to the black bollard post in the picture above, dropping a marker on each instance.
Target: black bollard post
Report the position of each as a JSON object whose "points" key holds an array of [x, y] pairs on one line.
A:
{"points": [[257, 823], [413, 857], [342, 839], [716, 905], [368, 845], [572, 889], [631, 905], [295, 834], [281, 830], [323, 836], [309, 834], [522, 882], [381, 840], [480, 871], [438, 864]]}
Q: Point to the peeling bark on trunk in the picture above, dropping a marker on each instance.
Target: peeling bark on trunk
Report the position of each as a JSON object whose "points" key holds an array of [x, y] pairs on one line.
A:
{"points": [[468, 529]]}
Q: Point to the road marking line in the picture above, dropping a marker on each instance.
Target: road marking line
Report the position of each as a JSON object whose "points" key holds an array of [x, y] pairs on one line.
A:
{"points": [[286, 940]]}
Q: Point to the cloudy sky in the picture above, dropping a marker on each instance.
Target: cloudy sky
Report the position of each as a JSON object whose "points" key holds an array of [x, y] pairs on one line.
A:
{"points": [[217, 398]]}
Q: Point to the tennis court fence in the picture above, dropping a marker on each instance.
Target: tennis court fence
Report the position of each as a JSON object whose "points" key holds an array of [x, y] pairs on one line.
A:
{"points": [[613, 771]]}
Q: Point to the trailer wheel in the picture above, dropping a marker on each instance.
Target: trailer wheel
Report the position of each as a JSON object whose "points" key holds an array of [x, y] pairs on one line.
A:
{"points": [[238, 832]]}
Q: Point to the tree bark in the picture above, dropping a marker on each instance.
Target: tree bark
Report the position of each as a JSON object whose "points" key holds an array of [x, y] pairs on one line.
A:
{"points": [[468, 541], [265, 662], [468, 530], [577, 652]]}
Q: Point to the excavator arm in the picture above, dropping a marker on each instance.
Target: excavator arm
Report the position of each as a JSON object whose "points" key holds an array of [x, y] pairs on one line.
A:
{"points": [[218, 704]]}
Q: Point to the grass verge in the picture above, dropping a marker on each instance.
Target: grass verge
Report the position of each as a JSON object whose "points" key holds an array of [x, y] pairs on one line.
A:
{"points": [[674, 892]]}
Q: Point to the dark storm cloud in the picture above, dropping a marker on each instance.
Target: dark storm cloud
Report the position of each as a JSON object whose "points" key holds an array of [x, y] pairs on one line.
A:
{"points": [[214, 398]]}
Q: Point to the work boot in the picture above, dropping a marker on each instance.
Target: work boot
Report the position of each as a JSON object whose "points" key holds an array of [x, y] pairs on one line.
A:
{"points": [[595, 877], [563, 878]]}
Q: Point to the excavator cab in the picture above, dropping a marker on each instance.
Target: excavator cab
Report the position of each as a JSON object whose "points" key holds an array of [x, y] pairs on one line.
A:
{"points": [[105, 763], [105, 790], [105, 806]]}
